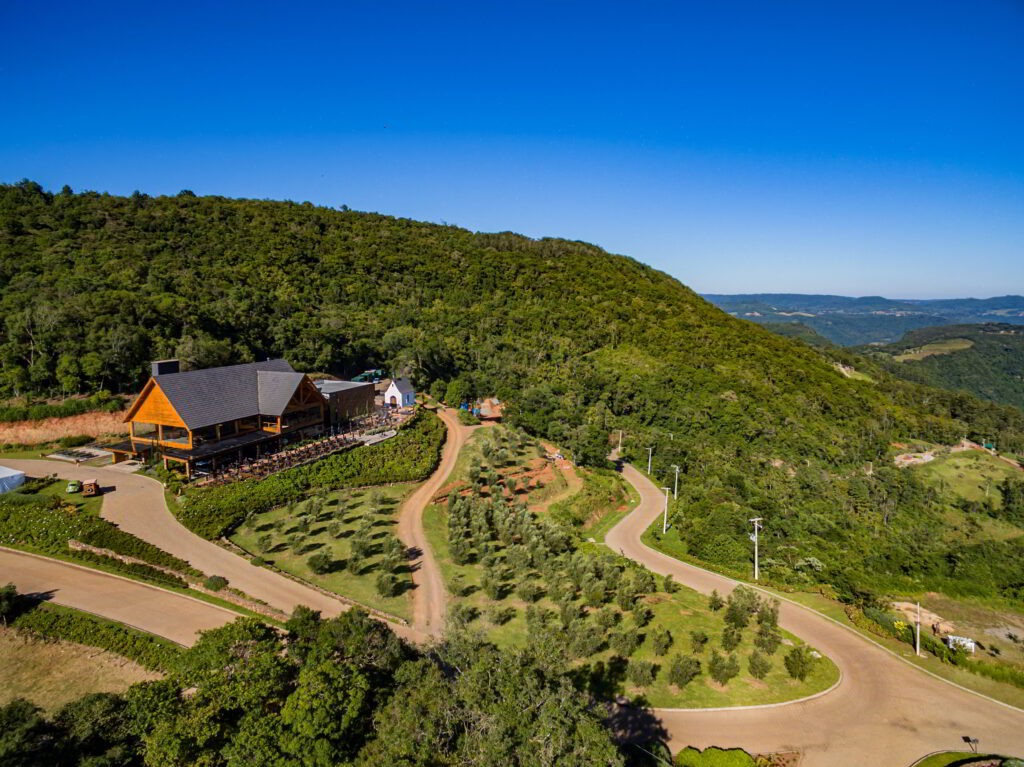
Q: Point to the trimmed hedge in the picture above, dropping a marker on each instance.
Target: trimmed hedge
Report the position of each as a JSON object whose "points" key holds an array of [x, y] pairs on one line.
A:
{"points": [[49, 622], [145, 572], [42, 523], [101, 401], [410, 456]]}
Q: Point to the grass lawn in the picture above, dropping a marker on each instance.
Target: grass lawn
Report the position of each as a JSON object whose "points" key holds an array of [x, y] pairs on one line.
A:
{"points": [[345, 513], [953, 759], [970, 474], [681, 613], [51, 674], [89, 506]]}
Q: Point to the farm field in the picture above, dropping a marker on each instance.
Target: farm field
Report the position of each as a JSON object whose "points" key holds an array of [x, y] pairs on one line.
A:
{"points": [[51, 674], [504, 621], [970, 474], [947, 346], [334, 522]]}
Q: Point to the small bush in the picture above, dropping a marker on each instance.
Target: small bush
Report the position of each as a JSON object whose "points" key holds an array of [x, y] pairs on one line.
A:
{"points": [[215, 583], [387, 585], [715, 601], [640, 673], [624, 643], [642, 615], [77, 440], [528, 591], [714, 757], [723, 667], [731, 638], [682, 670], [759, 665], [799, 662], [320, 563], [661, 641], [698, 639], [499, 616]]}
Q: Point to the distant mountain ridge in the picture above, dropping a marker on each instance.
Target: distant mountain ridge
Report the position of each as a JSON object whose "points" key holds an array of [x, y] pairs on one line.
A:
{"points": [[852, 321]]}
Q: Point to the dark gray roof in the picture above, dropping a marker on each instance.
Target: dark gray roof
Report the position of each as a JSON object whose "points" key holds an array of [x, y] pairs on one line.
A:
{"points": [[404, 386], [329, 387], [214, 395]]}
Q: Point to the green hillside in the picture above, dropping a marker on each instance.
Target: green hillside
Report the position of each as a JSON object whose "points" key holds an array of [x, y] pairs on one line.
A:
{"points": [[798, 330], [578, 342], [986, 360]]}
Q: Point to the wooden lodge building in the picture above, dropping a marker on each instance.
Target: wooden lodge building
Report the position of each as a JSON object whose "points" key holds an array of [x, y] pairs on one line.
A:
{"points": [[198, 419]]}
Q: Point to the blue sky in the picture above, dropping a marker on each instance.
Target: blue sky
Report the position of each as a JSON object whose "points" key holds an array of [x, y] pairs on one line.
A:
{"points": [[857, 148]]}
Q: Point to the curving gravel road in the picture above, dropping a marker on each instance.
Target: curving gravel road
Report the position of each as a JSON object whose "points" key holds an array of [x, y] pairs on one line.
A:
{"points": [[429, 595], [136, 504], [175, 616], [884, 712]]}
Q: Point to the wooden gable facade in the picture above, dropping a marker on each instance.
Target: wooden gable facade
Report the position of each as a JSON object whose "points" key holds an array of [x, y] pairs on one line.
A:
{"points": [[210, 424]]}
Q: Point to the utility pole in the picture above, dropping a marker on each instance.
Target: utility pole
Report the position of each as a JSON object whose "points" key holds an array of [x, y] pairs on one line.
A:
{"points": [[650, 454], [917, 632], [675, 488], [664, 519], [757, 526]]}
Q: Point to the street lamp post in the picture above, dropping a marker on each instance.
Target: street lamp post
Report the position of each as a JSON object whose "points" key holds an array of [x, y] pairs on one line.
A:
{"points": [[675, 487], [664, 519], [650, 454], [757, 526]]}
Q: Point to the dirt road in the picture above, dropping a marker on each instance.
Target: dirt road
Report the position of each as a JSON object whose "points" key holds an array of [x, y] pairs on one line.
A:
{"points": [[884, 712], [164, 613], [429, 596], [136, 504]]}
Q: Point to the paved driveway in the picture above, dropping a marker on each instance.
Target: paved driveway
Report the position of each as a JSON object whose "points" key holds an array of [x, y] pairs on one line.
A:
{"points": [[165, 613], [884, 713], [136, 504]]}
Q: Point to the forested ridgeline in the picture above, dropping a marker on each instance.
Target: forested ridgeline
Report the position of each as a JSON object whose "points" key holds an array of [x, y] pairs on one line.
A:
{"points": [[576, 341]]}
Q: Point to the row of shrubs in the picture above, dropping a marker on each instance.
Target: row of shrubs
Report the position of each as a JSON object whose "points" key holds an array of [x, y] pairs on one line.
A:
{"points": [[410, 456], [134, 569], [881, 622], [45, 525], [48, 622], [102, 401]]}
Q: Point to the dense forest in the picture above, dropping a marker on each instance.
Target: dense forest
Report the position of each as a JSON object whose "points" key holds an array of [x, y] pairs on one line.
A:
{"points": [[576, 341], [985, 360], [324, 693]]}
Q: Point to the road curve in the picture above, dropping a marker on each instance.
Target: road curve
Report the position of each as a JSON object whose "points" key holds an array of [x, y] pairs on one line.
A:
{"points": [[429, 595], [136, 504], [884, 712], [175, 616]]}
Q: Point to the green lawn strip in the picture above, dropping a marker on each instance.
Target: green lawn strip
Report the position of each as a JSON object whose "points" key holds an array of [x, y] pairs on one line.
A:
{"points": [[682, 612], [671, 545], [951, 758], [348, 509], [95, 565]]}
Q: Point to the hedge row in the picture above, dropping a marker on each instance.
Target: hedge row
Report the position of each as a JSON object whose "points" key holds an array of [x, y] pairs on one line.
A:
{"points": [[410, 456], [102, 401], [47, 622], [45, 525], [145, 572]]}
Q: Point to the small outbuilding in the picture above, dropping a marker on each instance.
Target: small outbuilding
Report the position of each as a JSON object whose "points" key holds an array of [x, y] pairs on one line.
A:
{"points": [[400, 393], [10, 479]]}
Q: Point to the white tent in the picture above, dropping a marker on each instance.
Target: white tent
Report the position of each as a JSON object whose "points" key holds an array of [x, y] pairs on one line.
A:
{"points": [[10, 479]]}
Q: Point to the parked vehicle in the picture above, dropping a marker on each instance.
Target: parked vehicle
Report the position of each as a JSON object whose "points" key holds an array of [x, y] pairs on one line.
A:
{"points": [[74, 486], [91, 487]]}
